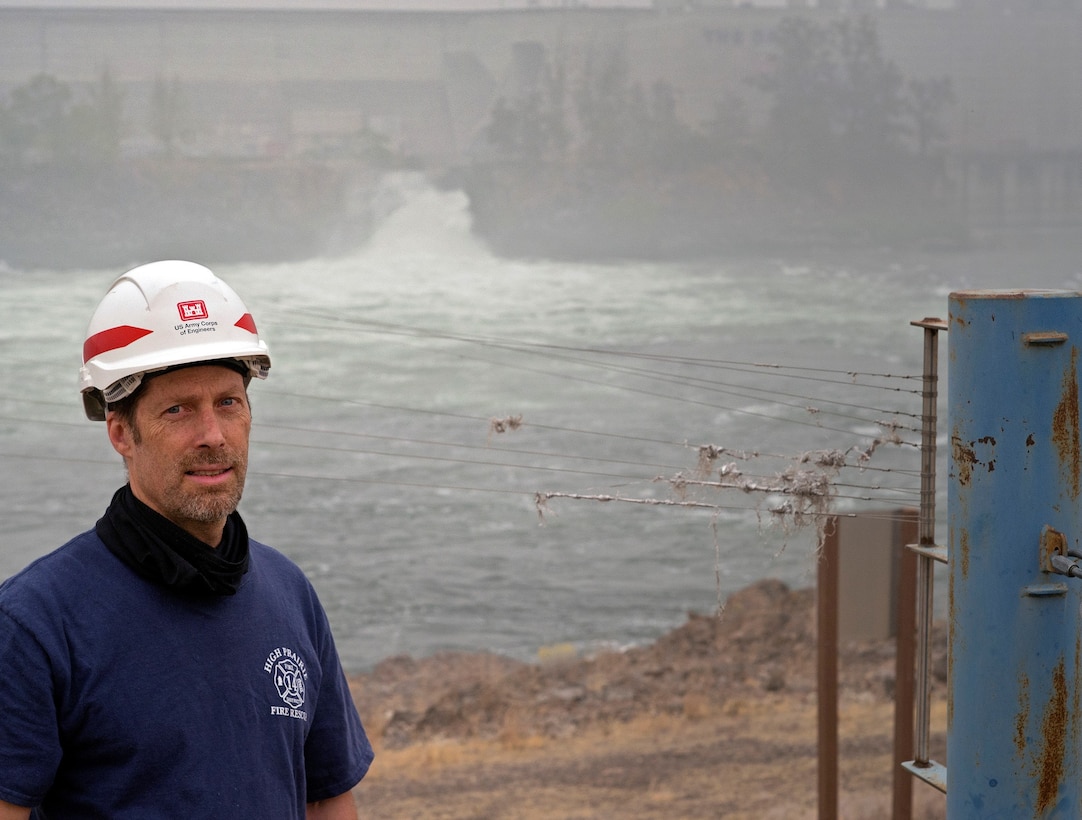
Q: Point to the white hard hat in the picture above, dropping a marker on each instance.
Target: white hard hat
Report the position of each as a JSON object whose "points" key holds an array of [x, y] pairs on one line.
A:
{"points": [[159, 316]]}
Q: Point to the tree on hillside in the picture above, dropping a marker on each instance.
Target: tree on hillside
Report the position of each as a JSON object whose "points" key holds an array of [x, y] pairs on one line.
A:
{"points": [[664, 141], [841, 151], [870, 104], [527, 125], [94, 127], [168, 113], [802, 87], [33, 123], [839, 109], [615, 124], [603, 106], [927, 101], [729, 132], [43, 122]]}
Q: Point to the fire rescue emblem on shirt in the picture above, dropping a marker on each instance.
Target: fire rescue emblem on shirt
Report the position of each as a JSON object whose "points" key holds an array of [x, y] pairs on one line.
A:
{"points": [[289, 674]]}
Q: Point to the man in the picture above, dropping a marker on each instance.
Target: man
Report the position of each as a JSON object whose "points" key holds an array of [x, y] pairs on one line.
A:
{"points": [[163, 665]]}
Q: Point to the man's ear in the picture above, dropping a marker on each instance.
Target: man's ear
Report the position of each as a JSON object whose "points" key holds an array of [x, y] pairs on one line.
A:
{"points": [[120, 434]]}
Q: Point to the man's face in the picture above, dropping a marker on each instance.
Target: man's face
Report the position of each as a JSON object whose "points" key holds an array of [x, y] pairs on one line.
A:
{"points": [[186, 448]]}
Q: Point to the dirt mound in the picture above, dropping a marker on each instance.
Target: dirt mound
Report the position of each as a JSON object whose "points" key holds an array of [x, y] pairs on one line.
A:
{"points": [[763, 641], [715, 719]]}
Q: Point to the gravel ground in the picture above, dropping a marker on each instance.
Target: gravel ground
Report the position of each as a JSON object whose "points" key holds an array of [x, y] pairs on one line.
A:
{"points": [[715, 719]]}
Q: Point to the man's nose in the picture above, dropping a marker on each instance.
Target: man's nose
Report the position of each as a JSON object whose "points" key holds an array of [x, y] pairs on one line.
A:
{"points": [[211, 433]]}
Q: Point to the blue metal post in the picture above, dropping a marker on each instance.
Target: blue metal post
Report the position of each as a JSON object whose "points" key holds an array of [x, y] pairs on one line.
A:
{"points": [[1014, 517]]}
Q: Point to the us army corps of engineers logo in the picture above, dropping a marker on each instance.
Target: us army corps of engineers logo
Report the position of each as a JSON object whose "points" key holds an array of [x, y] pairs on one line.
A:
{"points": [[289, 673]]}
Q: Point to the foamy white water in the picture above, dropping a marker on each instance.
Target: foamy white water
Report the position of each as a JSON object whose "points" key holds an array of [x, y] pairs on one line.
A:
{"points": [[377, 467]]}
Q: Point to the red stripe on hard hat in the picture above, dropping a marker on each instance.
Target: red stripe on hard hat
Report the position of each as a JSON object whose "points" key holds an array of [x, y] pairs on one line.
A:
{"points": [[111, 339], [246, 322]]}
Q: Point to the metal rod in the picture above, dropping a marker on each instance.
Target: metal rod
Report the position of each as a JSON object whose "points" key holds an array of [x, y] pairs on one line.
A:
{"points": [[926, 535]]}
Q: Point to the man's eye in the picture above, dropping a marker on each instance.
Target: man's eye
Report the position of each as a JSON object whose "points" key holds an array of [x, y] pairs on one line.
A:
{"points": [[172, 411]]}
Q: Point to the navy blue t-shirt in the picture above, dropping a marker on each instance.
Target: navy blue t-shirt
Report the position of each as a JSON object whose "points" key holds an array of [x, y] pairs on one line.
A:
{"points": [[122, 698]]}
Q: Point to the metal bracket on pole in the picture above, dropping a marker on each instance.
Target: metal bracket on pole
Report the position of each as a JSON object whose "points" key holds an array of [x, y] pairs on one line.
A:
{"points": [[928, 552]]}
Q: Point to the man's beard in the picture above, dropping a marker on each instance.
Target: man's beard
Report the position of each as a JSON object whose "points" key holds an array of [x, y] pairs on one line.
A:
{"points": [[208, 506]]}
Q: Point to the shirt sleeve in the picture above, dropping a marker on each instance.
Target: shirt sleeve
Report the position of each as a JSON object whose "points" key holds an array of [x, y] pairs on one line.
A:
{"points": [[337, 753], [29, 735]]}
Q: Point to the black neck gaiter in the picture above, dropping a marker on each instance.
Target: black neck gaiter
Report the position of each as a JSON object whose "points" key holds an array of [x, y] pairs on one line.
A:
{"points": [[160, 551]]}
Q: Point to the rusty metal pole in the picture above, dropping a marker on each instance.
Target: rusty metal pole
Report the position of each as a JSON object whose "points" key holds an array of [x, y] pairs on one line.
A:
{"points": [[827, 669], [1014, 518], [906, 526]]}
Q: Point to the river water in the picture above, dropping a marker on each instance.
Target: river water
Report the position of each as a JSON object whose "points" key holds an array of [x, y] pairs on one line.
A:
{"points": [[424, 392]]}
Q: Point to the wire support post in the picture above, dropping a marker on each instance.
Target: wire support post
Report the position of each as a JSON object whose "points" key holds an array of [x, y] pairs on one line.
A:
{"points": [[926, 550]]}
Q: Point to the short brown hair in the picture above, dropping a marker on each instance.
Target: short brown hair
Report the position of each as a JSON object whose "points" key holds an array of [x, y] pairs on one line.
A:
{"points": [[125, 411]]}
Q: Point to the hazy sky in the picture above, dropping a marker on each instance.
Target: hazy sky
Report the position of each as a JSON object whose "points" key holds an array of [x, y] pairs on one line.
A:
{"points": [[389, 5]]}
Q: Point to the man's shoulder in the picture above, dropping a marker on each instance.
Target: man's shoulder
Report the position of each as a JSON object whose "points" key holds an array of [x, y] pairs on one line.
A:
{"points": [[61, 564], [78, 565], [274, 562], [274, 570]]}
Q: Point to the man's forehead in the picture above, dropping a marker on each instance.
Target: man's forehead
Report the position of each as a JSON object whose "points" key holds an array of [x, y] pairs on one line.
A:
{"points": [[195, 380]]}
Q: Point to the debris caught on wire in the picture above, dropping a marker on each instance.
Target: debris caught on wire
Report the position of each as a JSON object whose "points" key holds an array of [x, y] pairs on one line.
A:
{"points": [[801, 495], [497, 426], [505, 424]]}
